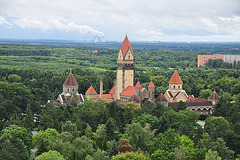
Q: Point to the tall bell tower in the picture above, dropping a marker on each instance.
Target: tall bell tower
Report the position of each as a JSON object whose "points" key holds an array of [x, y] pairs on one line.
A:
{"points": [[125, 68]]}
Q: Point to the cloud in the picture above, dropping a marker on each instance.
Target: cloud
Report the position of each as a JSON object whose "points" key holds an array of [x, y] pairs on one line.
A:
{"points": [[3, 21], [53, 24], [142, 19]]}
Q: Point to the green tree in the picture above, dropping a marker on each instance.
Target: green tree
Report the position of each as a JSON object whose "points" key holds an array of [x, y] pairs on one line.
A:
{"points": [[65, 137], [14, 78], [19, 133], [224, 152], [100, 135], [129, 156], [88, 132], [180, 153], [12, 147], [43, 140], [216, 127], [167, 141], [28, 120], [111, 129], [138, 136], [205, 93], [113, 149], [162, 155], [212, 155], [50, 155]]}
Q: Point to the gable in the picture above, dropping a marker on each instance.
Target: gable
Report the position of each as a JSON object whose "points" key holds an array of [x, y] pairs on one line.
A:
{"points": [[120, 55], [129, 55]]}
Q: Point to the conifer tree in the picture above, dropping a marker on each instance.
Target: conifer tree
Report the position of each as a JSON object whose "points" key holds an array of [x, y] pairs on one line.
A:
{"points": [[113, 150], [28, 121]]}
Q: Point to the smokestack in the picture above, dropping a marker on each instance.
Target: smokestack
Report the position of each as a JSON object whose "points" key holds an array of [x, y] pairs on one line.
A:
{"points": [[101, 89]]}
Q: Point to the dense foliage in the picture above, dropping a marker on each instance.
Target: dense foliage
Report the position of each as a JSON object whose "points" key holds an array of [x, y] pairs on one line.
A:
{"points": [[32, 75]]}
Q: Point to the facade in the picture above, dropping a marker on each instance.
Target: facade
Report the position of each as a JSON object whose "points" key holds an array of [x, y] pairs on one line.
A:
{"points": [[70, 93], [202, 59], [175, 94]]}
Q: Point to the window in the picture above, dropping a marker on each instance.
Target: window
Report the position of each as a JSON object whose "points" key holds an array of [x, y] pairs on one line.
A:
{"points": [[68, 89], [204, 57], [73, 89], [129, 57], [178, 86], [173, 86]]}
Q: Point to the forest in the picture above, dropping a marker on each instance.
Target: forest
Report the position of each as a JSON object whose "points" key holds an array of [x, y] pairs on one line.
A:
{"points": [[33, 73]]}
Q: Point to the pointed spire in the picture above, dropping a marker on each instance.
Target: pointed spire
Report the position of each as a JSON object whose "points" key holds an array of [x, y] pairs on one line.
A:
{"points": [[138, 85], [214, 96], [175, 78], [151, 85], [91, 90], [125, 46], [161, 98], [71, 81], [72, 100]]}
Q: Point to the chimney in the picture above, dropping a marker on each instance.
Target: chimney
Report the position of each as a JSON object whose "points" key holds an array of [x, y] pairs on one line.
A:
{"points": [[101, 89]]}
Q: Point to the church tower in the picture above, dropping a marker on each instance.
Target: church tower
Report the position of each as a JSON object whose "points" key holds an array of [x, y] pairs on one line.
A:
{"points": [[125, 68]]}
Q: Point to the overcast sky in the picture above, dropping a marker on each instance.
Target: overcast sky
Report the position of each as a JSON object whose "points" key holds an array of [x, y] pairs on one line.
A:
{"points": [[143, 20]]}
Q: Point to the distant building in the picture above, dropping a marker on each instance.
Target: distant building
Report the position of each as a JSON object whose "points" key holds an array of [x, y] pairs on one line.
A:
{"points": [[70, 93], [202, 59]]}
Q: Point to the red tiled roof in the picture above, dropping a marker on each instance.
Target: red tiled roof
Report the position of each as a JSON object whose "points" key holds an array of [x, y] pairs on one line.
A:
{"points": [[138, 85], [71, 81], [175, 78], [112, 90], [125, 46], [105, 96], [161, 98], [91, 90], [151, 84], [129, 91], [193, 99], [72, 100], [214, 96]]}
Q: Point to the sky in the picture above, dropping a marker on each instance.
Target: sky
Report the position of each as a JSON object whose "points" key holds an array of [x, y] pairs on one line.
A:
{"points": [[142, 20]]}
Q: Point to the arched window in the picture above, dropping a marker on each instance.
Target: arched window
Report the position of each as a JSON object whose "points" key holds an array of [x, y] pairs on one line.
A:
{"points": [[129, 57], [173, 86], [178, 86], [73, 89]]}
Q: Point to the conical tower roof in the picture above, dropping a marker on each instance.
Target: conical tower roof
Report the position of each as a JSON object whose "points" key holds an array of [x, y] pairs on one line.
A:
{"points": [[214, 96], [151, 85], [91, 90], [175, 78], [71, 81], [161, 98], [138, 85], [125, 46]]}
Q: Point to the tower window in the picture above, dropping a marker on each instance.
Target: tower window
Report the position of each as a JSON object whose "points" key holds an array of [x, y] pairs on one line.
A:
{"points": [[68, 89], [173, 86], [73, 89], [178, 86], [129, 57]]}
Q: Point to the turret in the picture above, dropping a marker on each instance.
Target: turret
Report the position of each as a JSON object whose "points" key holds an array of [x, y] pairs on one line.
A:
{"points": [[151, 90]]}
